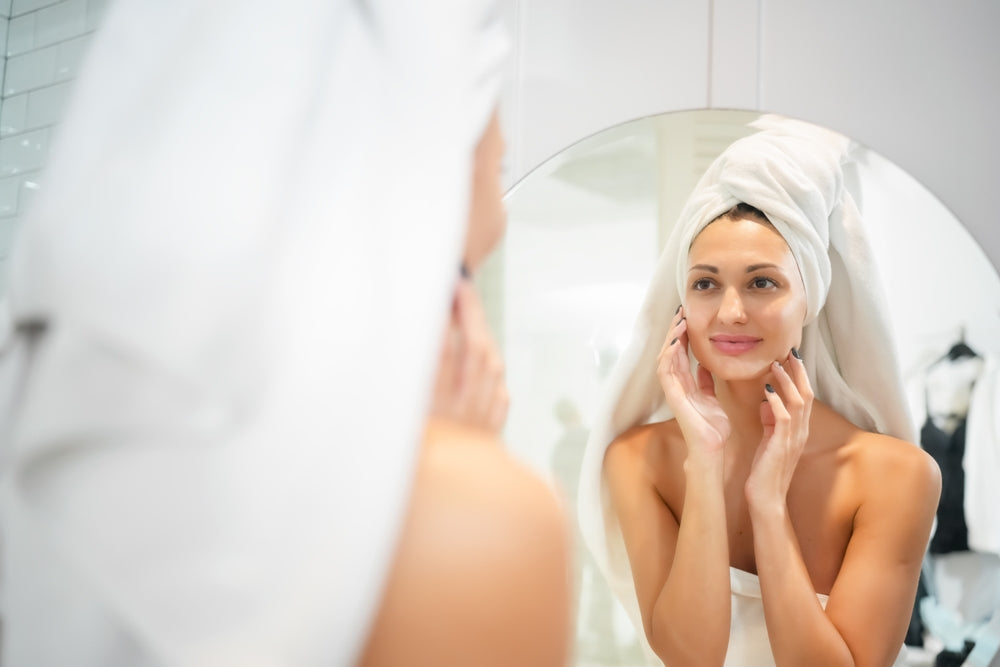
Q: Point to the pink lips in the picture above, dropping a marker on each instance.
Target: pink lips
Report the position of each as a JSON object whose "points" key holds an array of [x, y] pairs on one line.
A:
{"points": [[727, 344]]}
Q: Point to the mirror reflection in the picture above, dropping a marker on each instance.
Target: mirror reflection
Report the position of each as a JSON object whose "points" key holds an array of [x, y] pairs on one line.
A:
{"points": [[585, 233]]}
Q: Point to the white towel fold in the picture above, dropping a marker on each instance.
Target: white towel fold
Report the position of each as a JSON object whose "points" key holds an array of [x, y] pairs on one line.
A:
{"points": [[242, 261]]}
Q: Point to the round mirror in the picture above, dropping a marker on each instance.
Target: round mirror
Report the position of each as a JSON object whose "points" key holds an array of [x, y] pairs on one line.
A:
{"points": [[585, 231]]}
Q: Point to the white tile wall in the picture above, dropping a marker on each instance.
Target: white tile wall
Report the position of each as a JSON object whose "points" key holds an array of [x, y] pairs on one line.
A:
{"points": [[13, 113], [43, 42], [19, 7], [4, 22], [23, 152], [20, 34]]}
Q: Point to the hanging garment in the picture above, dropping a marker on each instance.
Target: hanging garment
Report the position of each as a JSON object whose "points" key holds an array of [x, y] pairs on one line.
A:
{"points": [[982, 461], [948, 449]]}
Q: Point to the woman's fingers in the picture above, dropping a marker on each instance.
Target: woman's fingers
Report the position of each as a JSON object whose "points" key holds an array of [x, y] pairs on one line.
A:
{"points": [[795, 393], [673, 367], [780, 417], [796, 369], [471, 386]]}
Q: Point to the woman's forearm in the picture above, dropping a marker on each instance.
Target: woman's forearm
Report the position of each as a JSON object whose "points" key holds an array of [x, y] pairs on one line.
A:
{"points": [[798, 628], [690, 623]]}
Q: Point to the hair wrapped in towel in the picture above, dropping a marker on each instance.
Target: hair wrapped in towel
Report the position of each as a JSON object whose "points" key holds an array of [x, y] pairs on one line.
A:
{"points": [[793, 172], [213, 436]]}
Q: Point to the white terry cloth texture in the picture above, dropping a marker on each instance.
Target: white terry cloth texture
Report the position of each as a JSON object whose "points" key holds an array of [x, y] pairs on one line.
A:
{"points": [[748, 641], [981, 461], [795, 173], [228, 301]]}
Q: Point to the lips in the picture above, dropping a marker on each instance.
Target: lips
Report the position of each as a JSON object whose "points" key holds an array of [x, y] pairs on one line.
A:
{"points": [[730, 344]]}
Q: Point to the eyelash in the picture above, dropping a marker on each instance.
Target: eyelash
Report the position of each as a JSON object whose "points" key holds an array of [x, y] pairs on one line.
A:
{"points": [[702, 284]]}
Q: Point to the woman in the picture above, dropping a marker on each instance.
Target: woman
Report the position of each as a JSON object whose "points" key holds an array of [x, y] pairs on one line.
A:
{"points": [[767, 507], [227, 445], [482, 568]]}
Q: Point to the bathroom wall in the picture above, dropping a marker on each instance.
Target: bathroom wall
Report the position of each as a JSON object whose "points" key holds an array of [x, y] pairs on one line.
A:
{"points": [[43, 43], [884, 74], [913, 80]]}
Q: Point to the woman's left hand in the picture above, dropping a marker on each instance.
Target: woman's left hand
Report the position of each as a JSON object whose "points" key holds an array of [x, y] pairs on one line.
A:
{"points": [[785, 415], [470, 388]]}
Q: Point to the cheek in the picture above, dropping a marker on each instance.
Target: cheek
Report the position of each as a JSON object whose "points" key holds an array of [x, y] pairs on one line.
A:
{"points": [[697, 332], [789, 316]]}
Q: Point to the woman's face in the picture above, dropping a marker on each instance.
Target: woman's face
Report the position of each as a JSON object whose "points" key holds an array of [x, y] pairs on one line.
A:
{"points": [[487, 216], [744, 301]]}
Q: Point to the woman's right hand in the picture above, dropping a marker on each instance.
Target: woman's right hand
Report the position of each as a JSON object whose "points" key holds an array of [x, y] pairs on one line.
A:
{"points": [[702, 420], [470, 388]]}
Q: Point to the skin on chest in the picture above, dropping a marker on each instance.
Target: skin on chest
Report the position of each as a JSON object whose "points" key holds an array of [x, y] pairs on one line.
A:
{"points": [[822, 502]]}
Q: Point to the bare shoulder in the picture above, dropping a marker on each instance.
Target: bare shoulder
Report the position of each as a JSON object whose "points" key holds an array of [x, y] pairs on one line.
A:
{"points": [[486, 544], [888, 465], [641, 446]]}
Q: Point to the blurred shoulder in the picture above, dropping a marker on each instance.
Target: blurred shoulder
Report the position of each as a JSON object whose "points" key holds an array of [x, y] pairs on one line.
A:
{"points": [[486, 544], [643, 444], [474, 469]]}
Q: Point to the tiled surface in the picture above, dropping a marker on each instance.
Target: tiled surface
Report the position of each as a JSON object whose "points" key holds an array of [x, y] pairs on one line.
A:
{"points": [[23, 152], [44, 42], [36, 109], [44, 67], [19, 7]]}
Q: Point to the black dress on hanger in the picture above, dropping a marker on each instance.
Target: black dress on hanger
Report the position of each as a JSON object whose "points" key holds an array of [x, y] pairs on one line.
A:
{"points": [[948, 449]]}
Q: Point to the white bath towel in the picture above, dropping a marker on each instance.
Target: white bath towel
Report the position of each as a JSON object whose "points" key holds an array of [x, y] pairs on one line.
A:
{"points": [[229, 297], [794, 172]]}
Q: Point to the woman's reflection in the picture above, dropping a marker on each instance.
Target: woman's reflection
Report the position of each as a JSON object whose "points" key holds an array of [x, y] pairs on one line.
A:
{"points": [[755, 461]]}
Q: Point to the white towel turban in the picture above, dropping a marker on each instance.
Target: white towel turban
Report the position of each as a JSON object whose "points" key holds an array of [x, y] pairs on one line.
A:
{"points": [[795, 173], [242, 260]]}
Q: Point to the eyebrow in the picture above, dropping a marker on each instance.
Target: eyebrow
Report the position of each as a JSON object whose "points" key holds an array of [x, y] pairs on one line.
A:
{"points": [[715, 269]]}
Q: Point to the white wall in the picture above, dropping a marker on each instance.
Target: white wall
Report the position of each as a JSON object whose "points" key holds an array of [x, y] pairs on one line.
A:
{"points": [[913, 80]]}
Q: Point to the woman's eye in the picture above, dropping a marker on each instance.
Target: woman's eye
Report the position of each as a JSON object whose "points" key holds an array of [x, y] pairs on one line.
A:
{"points": [[701, 284], [763, 283]]}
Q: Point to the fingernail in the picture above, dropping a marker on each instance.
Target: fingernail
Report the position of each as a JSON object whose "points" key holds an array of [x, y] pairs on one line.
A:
{"points": [[673, 341], [769, 388], [795, 353], [463, 271]]}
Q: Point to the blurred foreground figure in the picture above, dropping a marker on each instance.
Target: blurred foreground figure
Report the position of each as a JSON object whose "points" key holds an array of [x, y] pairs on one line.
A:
{"points": [[252, 407]]}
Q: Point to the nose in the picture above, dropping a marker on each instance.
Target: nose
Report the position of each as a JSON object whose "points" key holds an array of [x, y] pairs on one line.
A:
{"points": [[731, 309]]}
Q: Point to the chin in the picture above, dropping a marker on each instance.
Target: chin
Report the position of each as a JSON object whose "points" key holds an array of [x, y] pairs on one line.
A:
{"points": [[735, 369]]}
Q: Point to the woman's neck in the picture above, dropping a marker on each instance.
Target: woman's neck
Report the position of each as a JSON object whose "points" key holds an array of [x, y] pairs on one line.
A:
{"points": [[741, 400]]}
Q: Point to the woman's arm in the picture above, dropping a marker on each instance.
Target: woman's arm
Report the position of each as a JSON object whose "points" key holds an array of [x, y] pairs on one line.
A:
{"points": [[871, 600], [681, 572]]}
